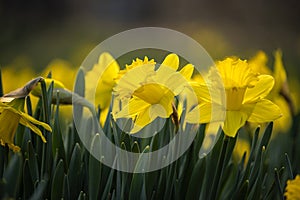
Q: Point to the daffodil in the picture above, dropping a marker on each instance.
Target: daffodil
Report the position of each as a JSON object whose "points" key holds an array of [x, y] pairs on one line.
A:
{"points": [[103, 75], [61, 70], [245, 93], [12, 114], [280, 93], [147, 93], [292, 189]]}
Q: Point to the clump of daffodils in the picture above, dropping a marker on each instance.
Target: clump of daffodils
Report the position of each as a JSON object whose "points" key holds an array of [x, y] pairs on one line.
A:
{"points": [[144, 91]]}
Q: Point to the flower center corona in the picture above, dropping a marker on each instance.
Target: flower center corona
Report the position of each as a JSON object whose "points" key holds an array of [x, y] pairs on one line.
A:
{"points": [[234, 98], [152, 93]]}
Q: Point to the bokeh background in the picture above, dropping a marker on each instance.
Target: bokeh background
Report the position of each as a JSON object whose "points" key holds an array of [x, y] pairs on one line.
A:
{"points": [[34, 33]]}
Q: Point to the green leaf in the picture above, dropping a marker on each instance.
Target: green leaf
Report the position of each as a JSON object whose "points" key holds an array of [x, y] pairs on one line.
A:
{"points": [[57, 142], [278, 184], [289, 166], [255, 188], [196, 180], [125, 177], [46, 110], [39, 191], [108, 184], [75, 172], [3, 159], [66, 191], [94, 170], [27, 181], [79, 89], [82, 196], [138, 180], [12, 175], [242, 193], [33, 164], [198, 142], [58, 181], [135, 147], [267, 135]]}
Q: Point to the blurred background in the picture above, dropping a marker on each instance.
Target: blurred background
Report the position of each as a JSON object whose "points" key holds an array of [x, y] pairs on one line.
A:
{"points": [[34, 33]]}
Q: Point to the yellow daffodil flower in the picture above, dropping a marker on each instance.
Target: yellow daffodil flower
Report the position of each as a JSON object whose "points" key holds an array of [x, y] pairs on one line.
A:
{"points": [[12, 113], [107, 69], [61, 70], [245, 93], [292, 189], [280, 93], [147, 93]]}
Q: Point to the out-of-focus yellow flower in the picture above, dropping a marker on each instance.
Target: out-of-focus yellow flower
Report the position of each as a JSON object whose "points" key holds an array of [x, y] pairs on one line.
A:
{"points": [[14, 78], [292, 189], [12, 113], [107, 69], [245, 96], [280, 93], [259, 63], [37, 91], [147, 93], [240, 148], [61, 70]]}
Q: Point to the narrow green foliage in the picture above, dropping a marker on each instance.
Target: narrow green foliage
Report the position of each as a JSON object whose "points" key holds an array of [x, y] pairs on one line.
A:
{"points": [[94, 170], [57, 188], [12, 177]]}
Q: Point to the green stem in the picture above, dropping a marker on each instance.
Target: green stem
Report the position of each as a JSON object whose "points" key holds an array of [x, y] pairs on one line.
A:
{"points": [[220, 169]]}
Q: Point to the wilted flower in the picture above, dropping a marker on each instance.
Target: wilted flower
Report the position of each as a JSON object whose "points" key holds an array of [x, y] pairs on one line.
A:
{"points": [[12, 113]]}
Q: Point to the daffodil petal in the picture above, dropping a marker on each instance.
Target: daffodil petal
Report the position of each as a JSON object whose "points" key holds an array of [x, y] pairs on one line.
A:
{"points": [[132, 80], [201, 92], [158, 110], [110, 66], [206, 113], [15, 148], [8, 128], [260, 90], [176, 83], [33, 120], [142, 120], [171, 61], [166, 103], [134, 107], [33, 128], [187, 71], [264, 111], [234, 121], [279, 71]]}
